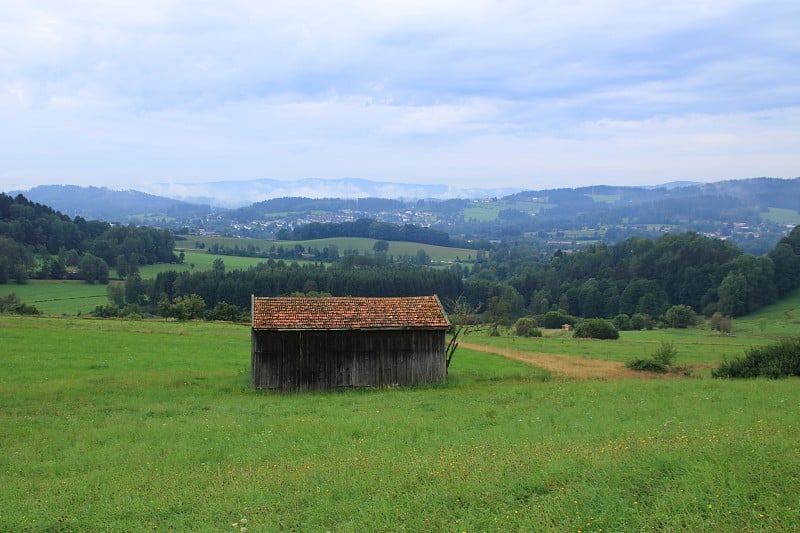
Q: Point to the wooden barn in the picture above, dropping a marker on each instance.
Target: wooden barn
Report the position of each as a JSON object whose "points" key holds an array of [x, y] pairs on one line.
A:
{"points": [[328, 343]]}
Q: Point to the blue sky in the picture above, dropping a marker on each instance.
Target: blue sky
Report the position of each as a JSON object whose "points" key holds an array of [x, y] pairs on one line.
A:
{"points": [[532, 94]]}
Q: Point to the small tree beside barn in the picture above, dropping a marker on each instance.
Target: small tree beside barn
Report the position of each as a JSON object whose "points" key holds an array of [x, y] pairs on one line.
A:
{"points": [[334, 342]]}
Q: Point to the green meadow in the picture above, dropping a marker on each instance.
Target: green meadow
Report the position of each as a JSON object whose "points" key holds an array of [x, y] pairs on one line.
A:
{"points": [[782, 216], [197, 260], [699, 347], [489, 211], [59, 297], [132, 425], [362, 245]]}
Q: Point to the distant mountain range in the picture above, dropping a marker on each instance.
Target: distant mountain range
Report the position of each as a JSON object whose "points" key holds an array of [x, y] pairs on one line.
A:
{"points": [[233, 194], [181, 199]]}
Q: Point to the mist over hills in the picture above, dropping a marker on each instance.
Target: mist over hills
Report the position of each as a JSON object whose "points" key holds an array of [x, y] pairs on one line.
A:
{"points": [[233, 194], [173, 200]]}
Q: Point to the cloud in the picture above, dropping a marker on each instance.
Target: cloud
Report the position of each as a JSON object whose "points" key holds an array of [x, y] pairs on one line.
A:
{"points": [[433, 91]]}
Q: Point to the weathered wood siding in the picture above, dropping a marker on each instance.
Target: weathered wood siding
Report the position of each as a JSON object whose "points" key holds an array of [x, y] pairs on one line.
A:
{"points": [[320, 359]]}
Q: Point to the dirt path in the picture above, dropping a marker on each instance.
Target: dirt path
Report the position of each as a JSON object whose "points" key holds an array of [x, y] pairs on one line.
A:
{"points": [[566, 365]]}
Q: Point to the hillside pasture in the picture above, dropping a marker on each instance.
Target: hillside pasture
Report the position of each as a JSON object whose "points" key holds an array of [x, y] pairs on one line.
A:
{"points": [[131, 425], [779, 319]]}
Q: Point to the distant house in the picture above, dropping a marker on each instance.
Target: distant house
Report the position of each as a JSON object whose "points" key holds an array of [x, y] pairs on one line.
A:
{"points": [[328, 343]]}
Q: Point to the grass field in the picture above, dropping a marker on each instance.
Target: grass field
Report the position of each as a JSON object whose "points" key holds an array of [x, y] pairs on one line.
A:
{"points": [[200, 260], [782, 216], [133, 425], [697, 347], [489, 211], [363, 245], [59, 297], [604, 198]]}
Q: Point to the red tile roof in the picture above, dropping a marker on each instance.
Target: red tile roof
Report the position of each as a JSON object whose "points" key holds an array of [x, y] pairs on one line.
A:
{"points": [[348, 313]]}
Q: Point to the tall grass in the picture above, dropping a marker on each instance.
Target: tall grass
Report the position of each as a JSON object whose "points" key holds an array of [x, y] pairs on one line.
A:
{"points": [[112, 425]]}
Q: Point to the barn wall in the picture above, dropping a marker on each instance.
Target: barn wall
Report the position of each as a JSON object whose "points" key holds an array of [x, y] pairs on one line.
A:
{"points": [[317, 360]]}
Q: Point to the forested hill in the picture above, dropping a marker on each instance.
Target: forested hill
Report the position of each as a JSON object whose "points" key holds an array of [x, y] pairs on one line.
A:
{"points": [[101, 203], [37, 241]]}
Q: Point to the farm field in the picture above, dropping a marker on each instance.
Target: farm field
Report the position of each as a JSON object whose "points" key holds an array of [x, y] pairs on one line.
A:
{"points": [[363, 245], [489, 211], [200, 260], [130, 425], [73, 297], [59, 297]]}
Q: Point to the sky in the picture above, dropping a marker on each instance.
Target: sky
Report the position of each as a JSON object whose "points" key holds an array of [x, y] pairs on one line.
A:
{"points": [[529, 94]]}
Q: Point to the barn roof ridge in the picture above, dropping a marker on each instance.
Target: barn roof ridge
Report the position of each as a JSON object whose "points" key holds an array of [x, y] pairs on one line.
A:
{"points": [[347, 313]]}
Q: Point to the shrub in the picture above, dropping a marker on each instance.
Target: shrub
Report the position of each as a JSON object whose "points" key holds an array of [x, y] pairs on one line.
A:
{"points": [[131, 311], [527, 327], [12, 305], [646, 365], [720, 323], [640, 321], [661, 361], [777, 360], [622, 322], [106, 311], [227, 312], [556, 319], [665, 353], [596, 328], [680, 316], [184, 308]]}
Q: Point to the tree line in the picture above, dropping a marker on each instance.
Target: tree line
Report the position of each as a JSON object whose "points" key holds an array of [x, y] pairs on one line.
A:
{"points": [[353, 276], [367, 228], [38, 242]]}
